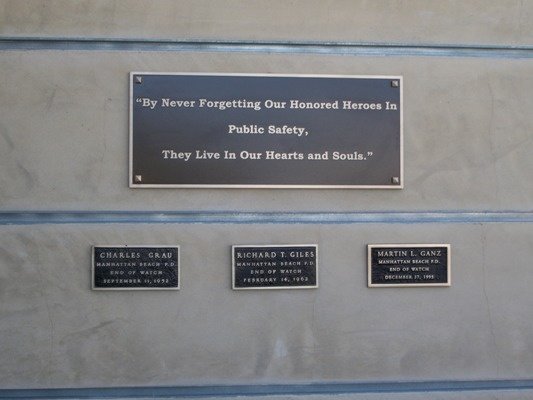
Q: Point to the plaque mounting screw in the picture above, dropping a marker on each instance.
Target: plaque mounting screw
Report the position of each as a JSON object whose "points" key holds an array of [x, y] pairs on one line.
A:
{"points": [[138, 178], [138, 79], [395, 180], [395, 83]]}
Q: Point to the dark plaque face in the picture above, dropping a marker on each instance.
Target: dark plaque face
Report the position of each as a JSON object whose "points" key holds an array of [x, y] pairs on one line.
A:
{"points": [[408, 265], [131, 267], [273, 131], [275, 267]]}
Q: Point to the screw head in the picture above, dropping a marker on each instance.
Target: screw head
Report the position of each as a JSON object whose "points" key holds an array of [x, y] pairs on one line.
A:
{"points": [[138, 178], [395, 180], [138, 79], [395, 83]]}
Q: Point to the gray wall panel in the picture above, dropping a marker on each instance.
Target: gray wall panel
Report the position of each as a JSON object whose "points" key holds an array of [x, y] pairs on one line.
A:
{"points": [[58, 333], [479, 395], [64, 133], [438, 22], [468, 79]]}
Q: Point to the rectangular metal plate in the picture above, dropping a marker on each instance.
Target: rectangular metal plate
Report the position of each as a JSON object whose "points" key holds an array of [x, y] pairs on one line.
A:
{"points": [[265, 131], [291, 266], [408, 265], [135, 267]]}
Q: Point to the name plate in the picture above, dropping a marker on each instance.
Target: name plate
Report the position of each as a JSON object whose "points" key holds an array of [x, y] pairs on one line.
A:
{"points": [[395, 265], [135, 267], [274, 267], [265, 131]]}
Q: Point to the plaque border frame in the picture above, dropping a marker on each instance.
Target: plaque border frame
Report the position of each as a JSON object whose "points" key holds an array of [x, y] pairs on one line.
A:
{"points": [[448, 283], [272, 287], [135, 246], [133, 185]]}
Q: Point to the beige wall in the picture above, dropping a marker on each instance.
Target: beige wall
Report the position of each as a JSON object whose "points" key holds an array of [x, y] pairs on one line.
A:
{"points": [[505, 22], [468, 132]]}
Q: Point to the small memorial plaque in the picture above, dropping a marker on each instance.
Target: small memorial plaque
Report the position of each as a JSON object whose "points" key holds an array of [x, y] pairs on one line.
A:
{"points": [[265, 131], [393, 265], [275, 267], [135, 267]]}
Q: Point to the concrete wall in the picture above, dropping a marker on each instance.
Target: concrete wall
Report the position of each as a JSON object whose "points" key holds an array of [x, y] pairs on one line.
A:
{"points": [[505, 22], [64, 147], [467, 133], [206, 333]]}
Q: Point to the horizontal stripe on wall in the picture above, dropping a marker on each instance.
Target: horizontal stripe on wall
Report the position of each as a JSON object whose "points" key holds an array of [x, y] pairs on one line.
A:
{"points": [[266, 390], [229, 217], [327, 48]]}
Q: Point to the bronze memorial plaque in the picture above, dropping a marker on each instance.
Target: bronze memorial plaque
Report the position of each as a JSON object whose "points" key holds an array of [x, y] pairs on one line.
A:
{"points": [[396, 265], [291, 266], [135, 267], [265, 131]]}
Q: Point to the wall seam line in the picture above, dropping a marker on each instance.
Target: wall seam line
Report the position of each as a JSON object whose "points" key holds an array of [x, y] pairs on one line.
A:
{"points": [[267, 390], [293, 47], [239, 217]]}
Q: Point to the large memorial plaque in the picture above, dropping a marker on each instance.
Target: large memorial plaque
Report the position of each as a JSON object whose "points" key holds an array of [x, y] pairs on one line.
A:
{"points": [[274, 267], [135, 267], [265, 131], [394, 265]]}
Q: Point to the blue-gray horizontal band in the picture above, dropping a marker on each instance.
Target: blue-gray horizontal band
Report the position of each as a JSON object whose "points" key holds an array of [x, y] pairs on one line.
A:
{"points": [[234, 217], [334, 48], [266, 390]]}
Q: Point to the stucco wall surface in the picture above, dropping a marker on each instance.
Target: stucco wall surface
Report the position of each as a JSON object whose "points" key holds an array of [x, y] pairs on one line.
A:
{"points": [[64, 133], [468, 140], [401, 21], [56, 332]]}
